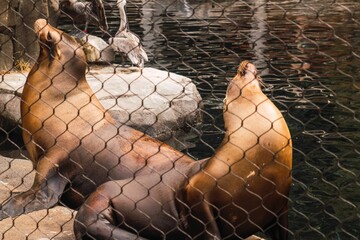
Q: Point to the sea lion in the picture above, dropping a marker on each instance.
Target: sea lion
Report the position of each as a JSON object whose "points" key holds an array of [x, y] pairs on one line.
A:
{"points": [[73, 142], [239, 191]]}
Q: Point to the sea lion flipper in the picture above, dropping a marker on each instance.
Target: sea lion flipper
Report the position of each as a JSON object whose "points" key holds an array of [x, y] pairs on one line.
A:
{"points": [[197, 215], [46, 197], [97, 217], [24, 203], [204, 213], [45, 192]]}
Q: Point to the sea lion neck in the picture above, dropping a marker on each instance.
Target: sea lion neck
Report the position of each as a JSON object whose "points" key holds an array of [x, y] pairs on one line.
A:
{"points": [[61, 60], [247, 85], [243, 106]]}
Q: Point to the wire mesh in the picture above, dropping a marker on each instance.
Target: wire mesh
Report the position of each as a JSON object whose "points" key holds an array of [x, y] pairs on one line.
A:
{"points": [[307, 53]]}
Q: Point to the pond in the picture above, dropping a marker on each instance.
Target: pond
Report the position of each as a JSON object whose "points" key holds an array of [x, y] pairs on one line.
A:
{"points": [[308, 53]]}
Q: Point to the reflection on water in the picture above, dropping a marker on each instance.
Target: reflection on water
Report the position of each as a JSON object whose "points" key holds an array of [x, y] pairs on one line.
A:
{"points": [[308, 53]]}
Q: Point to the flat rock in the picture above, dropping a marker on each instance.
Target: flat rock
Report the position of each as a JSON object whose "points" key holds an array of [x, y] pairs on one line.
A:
{"points": [[157, 102], [17, 175]]}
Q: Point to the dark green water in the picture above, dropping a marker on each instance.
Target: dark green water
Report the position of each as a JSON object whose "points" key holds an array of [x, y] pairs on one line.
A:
{"points": [[308, 53]]}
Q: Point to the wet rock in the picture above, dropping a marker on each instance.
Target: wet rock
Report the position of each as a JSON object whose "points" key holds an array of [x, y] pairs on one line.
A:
{"points": [[160, 103]]}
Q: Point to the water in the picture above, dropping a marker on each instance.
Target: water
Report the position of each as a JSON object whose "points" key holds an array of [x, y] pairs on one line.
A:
{"points": [[308, 53]]}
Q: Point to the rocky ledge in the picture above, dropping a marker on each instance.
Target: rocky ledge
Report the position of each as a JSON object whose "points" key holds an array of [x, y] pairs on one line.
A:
{"points": [[160, 103], [17, 175]]}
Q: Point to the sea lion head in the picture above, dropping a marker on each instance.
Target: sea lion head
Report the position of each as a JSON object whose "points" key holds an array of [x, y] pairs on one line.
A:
{"points": [[247, 72], [245, 83], [58, 48]]}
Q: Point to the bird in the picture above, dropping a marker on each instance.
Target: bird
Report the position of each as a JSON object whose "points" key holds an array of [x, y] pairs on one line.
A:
{"points": [[126, 41], [93, 12]]}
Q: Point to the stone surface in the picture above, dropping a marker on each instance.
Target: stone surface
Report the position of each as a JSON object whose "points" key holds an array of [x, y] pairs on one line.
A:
{"points": [[95, 48], [154, 101], [27, 12], [160, 103], [17, 18], [11, 86], [57, 223], [7, 13], [6, 53], [17, 175]]}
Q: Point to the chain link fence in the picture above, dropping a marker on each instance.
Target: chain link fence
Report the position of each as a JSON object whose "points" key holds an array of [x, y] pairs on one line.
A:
{"points": [[306, 52]]}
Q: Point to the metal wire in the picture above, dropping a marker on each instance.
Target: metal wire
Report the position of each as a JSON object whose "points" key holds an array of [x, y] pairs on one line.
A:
{"points": [[306, 52]]}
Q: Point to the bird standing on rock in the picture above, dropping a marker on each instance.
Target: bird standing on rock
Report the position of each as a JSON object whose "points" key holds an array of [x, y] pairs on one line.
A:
{"points": [[127, 42], [93, 12]]}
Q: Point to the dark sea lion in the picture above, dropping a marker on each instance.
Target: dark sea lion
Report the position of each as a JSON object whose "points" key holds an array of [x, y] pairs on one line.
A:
{"points": [[239, 191], [73, 142]]}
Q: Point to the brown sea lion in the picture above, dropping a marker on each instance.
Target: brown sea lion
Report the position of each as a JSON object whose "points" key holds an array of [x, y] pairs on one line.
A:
{"points": [[239, 191], [73, 142]]}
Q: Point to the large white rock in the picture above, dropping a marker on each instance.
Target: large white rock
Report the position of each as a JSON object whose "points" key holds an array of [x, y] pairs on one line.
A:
{"points": [[160, 103]]}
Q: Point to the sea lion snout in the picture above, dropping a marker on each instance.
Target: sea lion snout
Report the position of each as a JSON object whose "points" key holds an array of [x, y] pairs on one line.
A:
{"points": [[40, 25], [46, 33], [49, 37], [247, 67], [247, 74]]}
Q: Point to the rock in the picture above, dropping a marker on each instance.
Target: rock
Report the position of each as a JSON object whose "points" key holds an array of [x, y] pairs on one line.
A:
{"points": [[16, 20], [160, 103], [56, 223], [54, 12], [154, 101], [27, 12], [95, 48], [17, 175], [10, 133], [11, 87], [7, 23], [8, 15], [6, 53], [9, 110]]}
